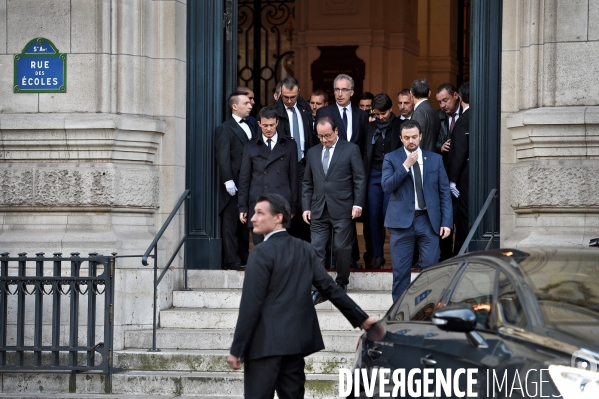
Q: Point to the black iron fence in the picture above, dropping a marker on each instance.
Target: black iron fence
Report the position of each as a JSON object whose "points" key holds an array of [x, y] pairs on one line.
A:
{"points": [[24, 284]]}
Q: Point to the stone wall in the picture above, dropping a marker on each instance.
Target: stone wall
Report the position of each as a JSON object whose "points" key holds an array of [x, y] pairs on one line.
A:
{"points": [[550, 123], [98, 168]]}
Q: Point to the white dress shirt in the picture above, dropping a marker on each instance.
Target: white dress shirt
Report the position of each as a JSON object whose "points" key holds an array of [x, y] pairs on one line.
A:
{"points": [[349, 119], [331, 150], [411, 170], [273, 140], [244, 126], [300, 125]]}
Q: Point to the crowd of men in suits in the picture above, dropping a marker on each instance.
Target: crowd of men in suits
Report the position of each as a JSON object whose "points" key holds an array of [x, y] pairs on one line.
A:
{"points": [[337, 163]]}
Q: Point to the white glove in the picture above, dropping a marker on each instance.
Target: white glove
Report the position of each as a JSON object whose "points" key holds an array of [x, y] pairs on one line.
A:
{"points": [[454, 191], [231, 188]]}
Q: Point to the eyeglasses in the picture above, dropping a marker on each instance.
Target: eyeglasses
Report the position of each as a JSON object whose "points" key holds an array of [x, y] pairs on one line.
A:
{"points": [[342, 90], [325, 136]]}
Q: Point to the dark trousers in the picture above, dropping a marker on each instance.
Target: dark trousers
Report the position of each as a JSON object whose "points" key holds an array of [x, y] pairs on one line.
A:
{"points": [[235, 235], [446, 244], [377, 208], [342, 242], [285, 374], [402, 251], [460, 217], [299, 228]]}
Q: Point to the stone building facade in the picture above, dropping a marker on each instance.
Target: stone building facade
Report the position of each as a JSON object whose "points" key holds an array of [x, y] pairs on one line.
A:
{"points": [[99, 168]]}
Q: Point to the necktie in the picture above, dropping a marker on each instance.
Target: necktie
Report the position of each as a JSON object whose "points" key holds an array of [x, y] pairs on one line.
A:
{"points": [[419, 190], [452, 123], [243, 120], [345, 120], [325, 160], [269, 141]]}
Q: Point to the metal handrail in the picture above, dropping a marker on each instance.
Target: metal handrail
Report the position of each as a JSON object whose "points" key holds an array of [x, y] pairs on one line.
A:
{"points": [[479, 218], [144, 259], [154, 247]]}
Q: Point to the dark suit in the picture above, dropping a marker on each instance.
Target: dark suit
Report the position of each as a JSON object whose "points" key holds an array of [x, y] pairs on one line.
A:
{"points": [[446, 244], [444, 134], [404, 227], [359, 122], [229, 142], [429, 122], [298, 228], [330, 198], [266, 171], [277, 324], [376, 199], [457, 172]]}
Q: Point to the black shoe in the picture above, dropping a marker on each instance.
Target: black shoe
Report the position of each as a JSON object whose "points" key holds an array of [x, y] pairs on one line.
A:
{"points": [[317, 298], [379, 261], [416, 268], [234, 266]]}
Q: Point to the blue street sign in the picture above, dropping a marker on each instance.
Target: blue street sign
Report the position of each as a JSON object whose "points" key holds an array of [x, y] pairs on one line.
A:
{"points": [[40, 68]]}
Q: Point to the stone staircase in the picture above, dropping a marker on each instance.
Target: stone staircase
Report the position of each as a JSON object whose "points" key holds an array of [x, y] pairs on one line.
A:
{"points": [[195, 336]]}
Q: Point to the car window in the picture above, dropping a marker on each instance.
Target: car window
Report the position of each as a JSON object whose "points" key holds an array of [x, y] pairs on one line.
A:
{"points": [[422, 297], [475, 288], [511, 307]]}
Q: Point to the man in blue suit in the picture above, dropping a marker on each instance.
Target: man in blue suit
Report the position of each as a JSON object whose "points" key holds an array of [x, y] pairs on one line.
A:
{"points": [[420, 207]]}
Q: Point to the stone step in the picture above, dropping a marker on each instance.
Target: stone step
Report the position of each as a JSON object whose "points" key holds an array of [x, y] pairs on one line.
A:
{"points": [[216, 361], [358, 281], [204, 339], [197, 318], [223, 298], [148, 384], [213, 385]]}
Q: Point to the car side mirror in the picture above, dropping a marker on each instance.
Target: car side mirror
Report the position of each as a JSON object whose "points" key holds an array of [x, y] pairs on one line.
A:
{"points": [[458, 318]]}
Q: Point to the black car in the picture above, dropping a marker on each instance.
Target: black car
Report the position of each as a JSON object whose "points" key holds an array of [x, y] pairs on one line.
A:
{"points": [[508, 323]]}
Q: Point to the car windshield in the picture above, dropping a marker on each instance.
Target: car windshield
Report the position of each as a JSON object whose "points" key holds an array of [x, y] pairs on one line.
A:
{"points": [[566, 284]]}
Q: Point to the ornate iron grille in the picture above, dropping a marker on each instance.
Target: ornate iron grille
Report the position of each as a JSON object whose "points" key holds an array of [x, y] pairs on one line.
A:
{"points": [[265, 28], [20, 291]]}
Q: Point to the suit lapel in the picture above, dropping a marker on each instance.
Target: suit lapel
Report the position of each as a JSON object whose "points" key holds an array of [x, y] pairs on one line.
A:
{"points": [[277, 151], [339, 120], [355, 127], [263, 150], [424, 165], [239, 131], [402, 158], [317, 162], [336, 154]]}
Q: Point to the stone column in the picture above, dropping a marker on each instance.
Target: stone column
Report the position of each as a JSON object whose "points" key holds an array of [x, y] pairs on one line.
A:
{"points": [[550, 129], [98, 168]]}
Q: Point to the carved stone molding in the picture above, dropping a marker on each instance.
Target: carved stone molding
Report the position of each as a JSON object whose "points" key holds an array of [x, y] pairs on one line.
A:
{"points": [[555, 186], [78, 187], [79, 138], [556, 132]]}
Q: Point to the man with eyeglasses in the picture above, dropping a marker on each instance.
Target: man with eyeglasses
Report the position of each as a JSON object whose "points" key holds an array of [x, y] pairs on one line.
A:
{"points": [[294, 123], [351, 121], [333, 195]]}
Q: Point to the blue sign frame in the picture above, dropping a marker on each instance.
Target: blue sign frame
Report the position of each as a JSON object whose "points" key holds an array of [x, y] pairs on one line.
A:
{"points": [[40, 68]]}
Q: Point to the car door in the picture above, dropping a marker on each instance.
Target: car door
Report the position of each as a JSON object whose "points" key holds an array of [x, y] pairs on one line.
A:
{"points": [[454, 351], [408, 321]]}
